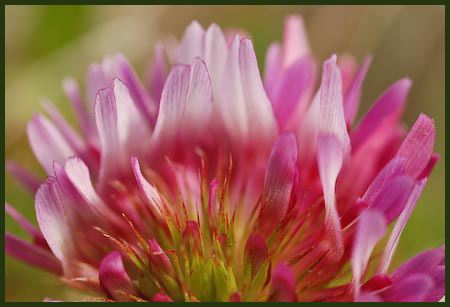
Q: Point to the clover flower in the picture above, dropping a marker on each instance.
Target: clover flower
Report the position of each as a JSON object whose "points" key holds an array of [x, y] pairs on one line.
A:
{"points": [[209, 184]]}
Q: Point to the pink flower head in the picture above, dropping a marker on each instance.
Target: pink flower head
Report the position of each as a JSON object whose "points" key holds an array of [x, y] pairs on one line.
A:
{"points": [[211, 184]]}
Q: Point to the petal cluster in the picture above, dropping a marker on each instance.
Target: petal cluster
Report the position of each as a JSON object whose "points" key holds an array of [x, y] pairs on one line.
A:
{"points": [[210, 183]]}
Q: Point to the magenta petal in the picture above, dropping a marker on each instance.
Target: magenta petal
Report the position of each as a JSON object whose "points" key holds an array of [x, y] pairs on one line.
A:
{"points": [[72, 91], [173, 101], [272, 70], [414, 288], [438, 291], [370, 229], [392, 198], [32, 254], [213, 206], [114, 279], [424, 263], [52, 220], [330, 155], [148, 190], [157, 73], [26, 178], [26, 225], [418, 146], [48, 143], [430, 166], [386, 111], [279, 181], [192, 44], [295, 40], [353, 94], [158, 256], [255, 252], [159, 297], [282, 285], [400, 225], [368, 297], [332, 120], [292, 92], [259, 109], [141, 98]]}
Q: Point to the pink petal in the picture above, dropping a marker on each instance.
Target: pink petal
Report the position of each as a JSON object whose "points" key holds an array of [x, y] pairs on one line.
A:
{"points": [[96, 81], [199, 98], [438, 291], [293, 92], [191, 235], [72, 91], [347, 65], [385, 112], [158, 73], [47, 142], [260, 115], [107, 126], [158, 256], [114, 278], [370, 229], [148, 190], [272, 70], [192, 44], [368, 297], [52, 220], [231, 101], [414, 288], [215, 54], [255, 252], [34, 255], [393, 169], [281, 174], [26, 225], [430, 166], [332, 120], [425, 262], [158, 297], [400, 225], [173, 101], [72, 137], [392, 199], [213, 208], [295, 40], [26, 178], [141, 98], [353, 95], [282, 285], [418, 146], [330, 155]]}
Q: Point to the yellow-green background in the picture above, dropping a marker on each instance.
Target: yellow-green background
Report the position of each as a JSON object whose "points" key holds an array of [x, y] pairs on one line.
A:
{"points": [[46, 43]]}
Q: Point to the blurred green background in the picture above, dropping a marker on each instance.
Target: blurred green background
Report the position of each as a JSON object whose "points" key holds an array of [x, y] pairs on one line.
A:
{"points": [[46, 43]]}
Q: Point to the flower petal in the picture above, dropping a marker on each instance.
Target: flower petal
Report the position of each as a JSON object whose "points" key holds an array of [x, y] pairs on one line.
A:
{"points": [[157, 73], [418, 146], [260, 115], [255, 252], [215, 54], [26, 178], [192, 44], [32, 254], [414, 288], [293, 91], [330, 155], [384, 113], [148, 190], [52, 220], [158, 257], [114, 278], [48, 143], [400, 225], [279, 180], [26, 225], [353, 95], [295, 40], [370, 229], [282, 285]]}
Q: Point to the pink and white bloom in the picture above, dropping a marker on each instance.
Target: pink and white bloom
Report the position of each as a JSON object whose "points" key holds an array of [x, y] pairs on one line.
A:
{"points": [[209, 183]]}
